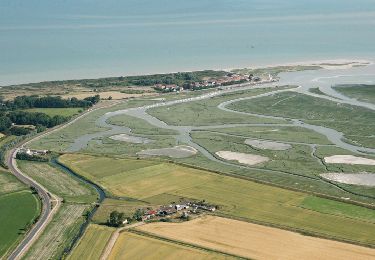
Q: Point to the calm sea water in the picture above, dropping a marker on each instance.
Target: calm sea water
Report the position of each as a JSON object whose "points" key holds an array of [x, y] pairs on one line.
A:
{"points": [[65, 39]]}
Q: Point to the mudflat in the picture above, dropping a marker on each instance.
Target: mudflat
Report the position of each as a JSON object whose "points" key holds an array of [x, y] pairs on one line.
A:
{"points": [[255, 241]]}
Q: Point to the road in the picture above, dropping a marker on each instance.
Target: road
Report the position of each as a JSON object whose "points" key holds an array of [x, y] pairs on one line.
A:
{"points": [[47, 207], [50, 202]]}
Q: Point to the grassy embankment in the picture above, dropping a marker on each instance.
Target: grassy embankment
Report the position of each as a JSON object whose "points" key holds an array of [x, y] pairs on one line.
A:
{"points": [[156, 183], [364, 93], [77, 199], [356, 123], [19, 208]]}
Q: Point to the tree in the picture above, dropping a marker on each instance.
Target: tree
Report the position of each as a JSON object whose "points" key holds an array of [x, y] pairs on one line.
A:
{"points": [[116, 219], [5, 123]]}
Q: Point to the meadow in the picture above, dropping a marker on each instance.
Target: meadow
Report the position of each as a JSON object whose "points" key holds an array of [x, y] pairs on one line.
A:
{"points": [[356, 123], [364, 93], [17, 201], [133, 246], [91, 245], [158, 183]]}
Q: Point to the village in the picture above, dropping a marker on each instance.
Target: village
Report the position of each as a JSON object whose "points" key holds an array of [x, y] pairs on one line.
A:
{"points": [[229, 79]]}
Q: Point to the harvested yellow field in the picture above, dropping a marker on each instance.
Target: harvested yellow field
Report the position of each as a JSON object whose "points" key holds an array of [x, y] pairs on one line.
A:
{"points": [[92, 243], [132, 246], [255, 241]]}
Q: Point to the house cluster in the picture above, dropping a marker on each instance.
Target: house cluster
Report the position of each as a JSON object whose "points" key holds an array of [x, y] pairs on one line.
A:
{"points": [[32, 152], [183, 208], [168, 88], [229, 79]]}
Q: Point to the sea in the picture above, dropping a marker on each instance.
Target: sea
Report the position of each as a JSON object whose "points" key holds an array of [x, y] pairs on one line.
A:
{"points": [[44, 40]]}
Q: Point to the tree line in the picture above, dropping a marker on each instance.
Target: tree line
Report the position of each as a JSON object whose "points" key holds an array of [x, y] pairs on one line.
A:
{"points": [[10, 112], [24, 102]]}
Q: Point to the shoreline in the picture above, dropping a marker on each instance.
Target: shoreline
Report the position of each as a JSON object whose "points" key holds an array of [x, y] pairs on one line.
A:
{"points": [[325, 64]]}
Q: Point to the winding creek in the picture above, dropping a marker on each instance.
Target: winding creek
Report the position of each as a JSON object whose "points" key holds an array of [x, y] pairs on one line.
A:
{"points": [[324, 79]]}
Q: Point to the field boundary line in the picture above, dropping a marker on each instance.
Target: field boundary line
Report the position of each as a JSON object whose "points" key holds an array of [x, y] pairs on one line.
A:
{"points": [[182, 243]]}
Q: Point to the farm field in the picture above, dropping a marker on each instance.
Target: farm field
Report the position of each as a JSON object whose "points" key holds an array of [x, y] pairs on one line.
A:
{"points": [[66, 112], [133, 246], [205, 112], [18, 211], [364, 93], [58, 182], [255, 241], [91, 245], [153, 182], [355, 122]]}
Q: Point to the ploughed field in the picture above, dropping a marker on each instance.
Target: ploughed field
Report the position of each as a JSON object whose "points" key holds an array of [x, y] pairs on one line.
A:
{"points": [[157, 182], [18, 209]]}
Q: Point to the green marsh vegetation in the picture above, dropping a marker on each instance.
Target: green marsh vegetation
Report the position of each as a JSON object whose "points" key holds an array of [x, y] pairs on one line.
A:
{"points": [[356, 123], [364, 93]]}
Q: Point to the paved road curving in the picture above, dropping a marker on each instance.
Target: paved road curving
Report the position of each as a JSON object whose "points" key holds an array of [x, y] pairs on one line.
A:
{"points": [[47, 208]]}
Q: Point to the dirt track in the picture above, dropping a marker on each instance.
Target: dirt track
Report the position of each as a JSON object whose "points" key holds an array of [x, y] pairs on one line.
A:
{"points": [[256, 241]]}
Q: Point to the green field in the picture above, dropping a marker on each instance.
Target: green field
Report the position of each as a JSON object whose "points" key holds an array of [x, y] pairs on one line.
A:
{"points": [[205, 112], [364, 93], [9, 183], [18, 211], [92, 243], [356, 123], [66, 112], [236, 198], [133, 246]]}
